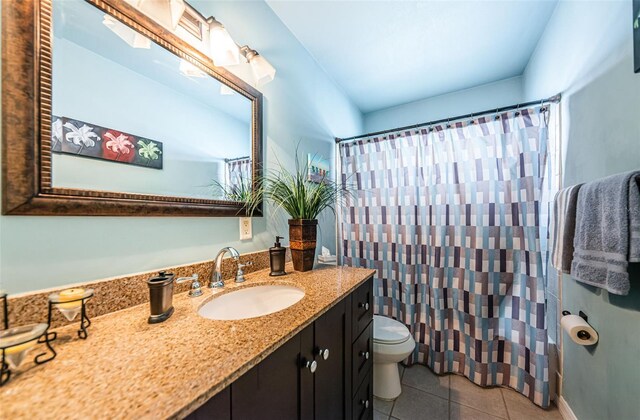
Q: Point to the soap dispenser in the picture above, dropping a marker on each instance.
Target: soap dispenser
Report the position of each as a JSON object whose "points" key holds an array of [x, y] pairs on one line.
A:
{"points": [[277, 258], [160, 297]]}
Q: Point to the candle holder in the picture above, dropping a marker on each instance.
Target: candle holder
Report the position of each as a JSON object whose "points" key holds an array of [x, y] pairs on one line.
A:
{"points": [[70, 304], [16, 343]]}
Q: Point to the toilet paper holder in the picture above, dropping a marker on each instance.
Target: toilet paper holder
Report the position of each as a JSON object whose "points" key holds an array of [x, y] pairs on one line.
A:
{"points": [[582, 334]]}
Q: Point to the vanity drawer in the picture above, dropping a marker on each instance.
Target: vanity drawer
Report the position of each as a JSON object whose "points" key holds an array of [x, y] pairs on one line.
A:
{"points": [[362, 356], [362, 405], [361, 307]]}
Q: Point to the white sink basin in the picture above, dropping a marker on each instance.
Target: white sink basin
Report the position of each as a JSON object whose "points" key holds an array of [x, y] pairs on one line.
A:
{"points": [[251, 302]]}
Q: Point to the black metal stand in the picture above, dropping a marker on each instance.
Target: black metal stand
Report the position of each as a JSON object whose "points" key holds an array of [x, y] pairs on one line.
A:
{"points": [[5, 311], [85, 322], [5, 372], [46, 337]]}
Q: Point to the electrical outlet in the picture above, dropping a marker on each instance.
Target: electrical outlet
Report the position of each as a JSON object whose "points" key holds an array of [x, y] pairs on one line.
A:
{"points": [[245, 228]]}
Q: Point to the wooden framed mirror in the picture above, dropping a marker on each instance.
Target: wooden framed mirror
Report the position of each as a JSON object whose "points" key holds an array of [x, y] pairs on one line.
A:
{"points": [[106, 112]]}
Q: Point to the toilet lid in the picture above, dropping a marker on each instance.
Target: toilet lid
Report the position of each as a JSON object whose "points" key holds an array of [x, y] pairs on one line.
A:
{"points": [[389, 331]]}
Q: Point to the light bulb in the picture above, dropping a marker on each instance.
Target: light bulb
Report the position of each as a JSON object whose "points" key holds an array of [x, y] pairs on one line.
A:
{"points": [[222, 47], [166, 12], [262, 69]]}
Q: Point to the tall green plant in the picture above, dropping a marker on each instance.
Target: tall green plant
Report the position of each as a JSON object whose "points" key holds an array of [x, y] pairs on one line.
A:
{"points": [[292, 192], [241, 192]]}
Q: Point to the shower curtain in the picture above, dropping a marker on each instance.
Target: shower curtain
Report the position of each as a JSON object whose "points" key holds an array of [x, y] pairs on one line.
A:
{"points": [[449, 216], [238, 172]]}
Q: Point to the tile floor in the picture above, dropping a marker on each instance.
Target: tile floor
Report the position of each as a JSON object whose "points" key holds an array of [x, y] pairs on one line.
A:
{"points": [[452, 397]]}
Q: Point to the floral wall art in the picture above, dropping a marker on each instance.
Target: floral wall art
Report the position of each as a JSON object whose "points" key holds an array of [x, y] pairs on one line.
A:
{"points": [[74, 137]]}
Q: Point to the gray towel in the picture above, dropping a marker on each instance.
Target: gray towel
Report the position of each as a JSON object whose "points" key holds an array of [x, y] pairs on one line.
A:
{"points": [[563, 227], [607, 215], [634, 220]]}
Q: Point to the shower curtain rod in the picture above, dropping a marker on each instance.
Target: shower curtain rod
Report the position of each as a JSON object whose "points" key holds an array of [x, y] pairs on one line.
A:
{"points": [[238, 158], [553, 99]]}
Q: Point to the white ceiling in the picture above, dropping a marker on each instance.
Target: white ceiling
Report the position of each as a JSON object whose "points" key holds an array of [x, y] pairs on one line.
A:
{"points": [[386, 53]]}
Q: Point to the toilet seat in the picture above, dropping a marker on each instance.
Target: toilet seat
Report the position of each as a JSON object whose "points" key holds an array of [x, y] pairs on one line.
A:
{"points": [[389, 331]]}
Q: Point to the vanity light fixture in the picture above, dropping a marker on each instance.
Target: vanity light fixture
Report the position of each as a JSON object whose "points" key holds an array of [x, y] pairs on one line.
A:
{"points": [[262, 69], [223, 49], [166, 12], [128, 35]]}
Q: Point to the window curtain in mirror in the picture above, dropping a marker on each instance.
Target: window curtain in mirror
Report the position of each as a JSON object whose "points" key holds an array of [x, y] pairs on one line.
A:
{"points": [[449, 217], [238, 173]]}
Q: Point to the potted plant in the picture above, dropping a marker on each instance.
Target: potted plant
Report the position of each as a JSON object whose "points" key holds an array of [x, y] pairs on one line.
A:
{"points": [[303, 200]]}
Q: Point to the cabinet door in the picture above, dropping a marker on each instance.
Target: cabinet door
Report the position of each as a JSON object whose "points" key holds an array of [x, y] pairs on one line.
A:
{"points": [[270, 390], [217, 408], [329, 380]]}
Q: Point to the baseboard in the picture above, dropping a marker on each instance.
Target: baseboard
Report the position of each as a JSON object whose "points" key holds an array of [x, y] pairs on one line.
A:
{"points": [[565, 410], [558, 387]]}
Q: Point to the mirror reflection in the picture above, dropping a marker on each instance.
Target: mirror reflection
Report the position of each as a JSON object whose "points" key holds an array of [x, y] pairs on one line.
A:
{"points": [[129, 116]]}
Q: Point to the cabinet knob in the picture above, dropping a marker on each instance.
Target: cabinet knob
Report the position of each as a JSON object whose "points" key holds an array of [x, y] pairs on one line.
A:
{"points": [[365, 354], [365, 403], [324, 353], [364, 305], [312, 365]]}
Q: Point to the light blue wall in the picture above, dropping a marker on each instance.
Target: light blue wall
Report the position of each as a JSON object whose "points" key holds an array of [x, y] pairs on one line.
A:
{"points": [[502, 93], [302, 105], [586, 53]]}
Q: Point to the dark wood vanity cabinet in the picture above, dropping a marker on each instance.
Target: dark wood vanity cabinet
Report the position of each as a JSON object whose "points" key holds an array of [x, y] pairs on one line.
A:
{"points": [[361, 353], [324, 372]]}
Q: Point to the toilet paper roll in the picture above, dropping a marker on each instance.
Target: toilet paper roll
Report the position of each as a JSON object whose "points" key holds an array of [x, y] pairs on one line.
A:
{"points": [[579, 330]]}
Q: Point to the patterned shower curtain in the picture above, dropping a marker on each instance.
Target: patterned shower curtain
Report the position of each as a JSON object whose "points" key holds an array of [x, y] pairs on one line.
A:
{"points": [[238, 172], [449, 216]]}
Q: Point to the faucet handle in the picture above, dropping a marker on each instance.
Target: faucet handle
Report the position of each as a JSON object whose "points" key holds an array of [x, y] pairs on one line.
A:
{"points": [[241, 266], [196, 289], [240, 273]]}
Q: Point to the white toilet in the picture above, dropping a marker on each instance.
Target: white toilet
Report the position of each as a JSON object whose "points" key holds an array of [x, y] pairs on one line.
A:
{"points": [[392, 343]]}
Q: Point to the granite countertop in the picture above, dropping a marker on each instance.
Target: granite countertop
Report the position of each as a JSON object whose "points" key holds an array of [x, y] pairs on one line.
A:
{"points": [[128, 368]]}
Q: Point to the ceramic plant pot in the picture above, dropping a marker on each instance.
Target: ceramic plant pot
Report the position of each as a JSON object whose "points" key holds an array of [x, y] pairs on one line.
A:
{"points": [[302, 240]]}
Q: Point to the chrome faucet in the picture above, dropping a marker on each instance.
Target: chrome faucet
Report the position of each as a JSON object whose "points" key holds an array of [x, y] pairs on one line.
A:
{"points": [[216, 276]]}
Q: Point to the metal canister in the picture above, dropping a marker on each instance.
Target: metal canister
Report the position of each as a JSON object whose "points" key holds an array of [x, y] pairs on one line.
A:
{"points": [[160, 297]]}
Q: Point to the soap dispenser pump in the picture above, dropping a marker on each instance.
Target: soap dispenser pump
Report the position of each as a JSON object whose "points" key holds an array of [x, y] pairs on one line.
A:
{"points": [[277, 258]]}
